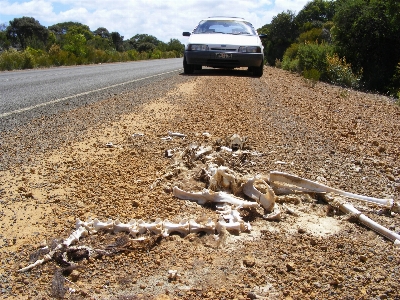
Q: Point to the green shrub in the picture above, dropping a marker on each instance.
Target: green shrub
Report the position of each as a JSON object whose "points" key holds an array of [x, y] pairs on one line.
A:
{"points": [[313, 56], [340, 73], [290, 64], [312, 74]]}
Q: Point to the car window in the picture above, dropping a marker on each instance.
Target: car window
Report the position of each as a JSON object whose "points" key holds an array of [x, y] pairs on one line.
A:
{"points": [[225, 26]]}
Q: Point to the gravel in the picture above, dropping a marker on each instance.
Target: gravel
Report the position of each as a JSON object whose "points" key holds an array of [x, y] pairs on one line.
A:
{"points": [[58, 168]]}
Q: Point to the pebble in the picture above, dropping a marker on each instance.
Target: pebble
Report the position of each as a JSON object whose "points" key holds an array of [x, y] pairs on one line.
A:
{"points": [[290, 266]]}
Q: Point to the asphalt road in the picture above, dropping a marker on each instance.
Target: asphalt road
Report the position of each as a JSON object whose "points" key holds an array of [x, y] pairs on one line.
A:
{"points": [[29, 94]]}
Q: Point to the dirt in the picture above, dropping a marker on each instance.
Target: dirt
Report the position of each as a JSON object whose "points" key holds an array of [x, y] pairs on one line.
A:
{"points": [[59, 168]]}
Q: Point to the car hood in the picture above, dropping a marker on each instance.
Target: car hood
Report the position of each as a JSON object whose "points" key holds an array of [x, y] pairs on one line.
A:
{"points": [[228, 39]]}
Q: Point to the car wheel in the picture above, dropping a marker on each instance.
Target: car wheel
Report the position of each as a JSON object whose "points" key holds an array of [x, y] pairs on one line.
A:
{"points": [[187, 69], [258, 71]]}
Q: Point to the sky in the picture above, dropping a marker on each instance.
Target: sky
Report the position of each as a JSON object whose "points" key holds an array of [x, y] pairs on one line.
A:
{"points": [[164, 19]]}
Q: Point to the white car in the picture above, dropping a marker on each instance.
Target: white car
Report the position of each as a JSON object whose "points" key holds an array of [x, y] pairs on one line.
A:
{"points": [[222, 42]]}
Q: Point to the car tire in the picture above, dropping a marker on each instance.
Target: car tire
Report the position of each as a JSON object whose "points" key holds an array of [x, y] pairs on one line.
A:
{"points": [[187, 68], [258, 71]]}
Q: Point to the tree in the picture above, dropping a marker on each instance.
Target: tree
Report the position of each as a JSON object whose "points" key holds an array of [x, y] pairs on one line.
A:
{"points": [[4, 42], [146, 47], [75, 43], [145, 39], [26, 31], [315, 13], [102, 32], [281, 32], [175, 45], [61, 29], [367, 33], [118, 41]]}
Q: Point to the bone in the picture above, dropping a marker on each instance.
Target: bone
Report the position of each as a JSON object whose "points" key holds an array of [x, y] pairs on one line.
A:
{"points": [[98, 225], [173, 274], [182, 227], [266, 200], [203, 151], [277, 178], [363, 219], [222, 177], [88, 224], [208, 227], [155, 227], [46, 258], [75, 236], [275, 215], [119, 227], [232, 225], [216, 197], [177, 134]]}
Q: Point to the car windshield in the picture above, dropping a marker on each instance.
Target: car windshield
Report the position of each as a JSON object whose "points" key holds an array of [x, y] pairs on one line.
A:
{"points": [[225, 26]]}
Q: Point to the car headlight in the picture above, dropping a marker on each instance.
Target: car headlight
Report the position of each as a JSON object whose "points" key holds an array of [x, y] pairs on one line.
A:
{"points": [[197, 47], [250, 49]]}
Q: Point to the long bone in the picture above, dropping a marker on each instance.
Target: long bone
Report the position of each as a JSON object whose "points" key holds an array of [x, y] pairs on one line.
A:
{"points": [[266, 200], [182, 227], [350, 209], [209, 196], [46, 258], [277, 178]]}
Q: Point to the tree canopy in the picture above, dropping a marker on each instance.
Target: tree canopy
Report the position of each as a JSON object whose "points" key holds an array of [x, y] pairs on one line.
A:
{"points": [[27, 31], [362, 35]]}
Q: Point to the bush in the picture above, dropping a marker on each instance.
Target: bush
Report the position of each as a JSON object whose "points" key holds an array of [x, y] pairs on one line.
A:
{"points": [[290, 64], [312, 74], [313, 56], [340, 73]]}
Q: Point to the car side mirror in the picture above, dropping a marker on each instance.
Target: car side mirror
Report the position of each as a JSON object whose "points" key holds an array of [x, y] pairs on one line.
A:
{"points": [[186, 33], [262, 36]]}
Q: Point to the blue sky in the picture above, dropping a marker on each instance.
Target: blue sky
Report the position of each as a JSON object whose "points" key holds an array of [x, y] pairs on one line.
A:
{"points": [[165, 19]]}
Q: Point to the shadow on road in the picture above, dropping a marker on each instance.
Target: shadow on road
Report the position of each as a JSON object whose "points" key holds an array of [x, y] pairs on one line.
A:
{"points": [[221, 72]]}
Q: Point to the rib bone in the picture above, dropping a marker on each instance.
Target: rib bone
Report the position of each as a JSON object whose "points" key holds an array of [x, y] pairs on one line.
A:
{"points": [[277, 178], [266, 200], [209, 196]]}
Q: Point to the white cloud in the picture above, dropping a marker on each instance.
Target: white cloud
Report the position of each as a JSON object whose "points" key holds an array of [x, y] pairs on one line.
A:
{"points": [[164, 19]]}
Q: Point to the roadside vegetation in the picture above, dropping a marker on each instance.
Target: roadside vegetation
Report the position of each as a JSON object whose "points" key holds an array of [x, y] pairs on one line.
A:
{"points": [[351, 43], [26, 44]]}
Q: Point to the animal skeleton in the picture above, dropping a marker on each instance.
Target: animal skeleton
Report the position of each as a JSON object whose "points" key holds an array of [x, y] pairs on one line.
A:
{"points": [[221, 177]]}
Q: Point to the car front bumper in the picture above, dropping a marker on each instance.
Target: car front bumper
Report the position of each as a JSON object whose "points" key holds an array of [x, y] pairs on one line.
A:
{"points": [[224, 60]]}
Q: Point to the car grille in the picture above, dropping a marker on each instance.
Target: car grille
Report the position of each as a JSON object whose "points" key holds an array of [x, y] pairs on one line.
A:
{"points": [[223, 49]]}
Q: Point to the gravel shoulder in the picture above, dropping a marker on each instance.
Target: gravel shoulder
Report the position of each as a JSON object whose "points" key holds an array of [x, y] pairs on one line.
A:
{"points": [[58, 168]]}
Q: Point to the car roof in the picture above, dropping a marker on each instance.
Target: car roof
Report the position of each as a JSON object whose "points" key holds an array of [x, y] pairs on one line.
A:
{"points": [[224, 18]]}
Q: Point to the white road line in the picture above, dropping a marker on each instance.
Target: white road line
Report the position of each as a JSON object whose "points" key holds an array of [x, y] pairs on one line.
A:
{"points": [[81, 94]]}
